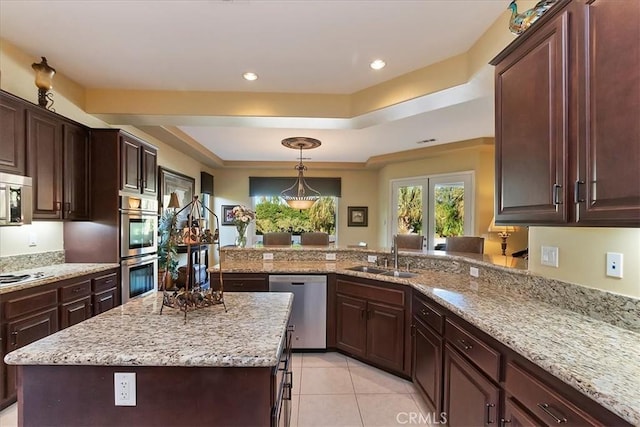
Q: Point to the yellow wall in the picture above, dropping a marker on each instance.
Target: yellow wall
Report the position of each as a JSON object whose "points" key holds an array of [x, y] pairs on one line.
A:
{"points": [[582, 253]]}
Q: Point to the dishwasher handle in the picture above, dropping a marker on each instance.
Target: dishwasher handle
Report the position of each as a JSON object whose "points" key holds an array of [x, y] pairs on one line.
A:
{"points": [[297, 283]]}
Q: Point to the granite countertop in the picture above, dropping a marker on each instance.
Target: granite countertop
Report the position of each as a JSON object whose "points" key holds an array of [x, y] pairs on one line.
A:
{"points": [[54, 273], [249, 334], [598, 359]]}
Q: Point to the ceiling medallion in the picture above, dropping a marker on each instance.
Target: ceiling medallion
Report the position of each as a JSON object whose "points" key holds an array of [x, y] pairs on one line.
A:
{"points": [[300, 195]]}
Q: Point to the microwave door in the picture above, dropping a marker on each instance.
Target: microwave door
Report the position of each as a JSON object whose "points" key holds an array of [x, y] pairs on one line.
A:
{"points": [[4, 204]]}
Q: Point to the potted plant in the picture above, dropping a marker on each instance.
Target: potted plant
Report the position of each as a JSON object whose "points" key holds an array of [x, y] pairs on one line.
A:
{"points": [[167, 250]]}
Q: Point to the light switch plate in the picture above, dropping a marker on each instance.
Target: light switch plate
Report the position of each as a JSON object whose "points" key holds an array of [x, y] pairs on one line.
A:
{"points": [[372, 258], [549, 256], [473, 271], [267, 256], [614, 265], [330, 256]]}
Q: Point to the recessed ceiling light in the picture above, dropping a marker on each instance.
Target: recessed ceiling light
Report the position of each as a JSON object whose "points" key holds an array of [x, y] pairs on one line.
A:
{"points": [[378, 64], [250, 76]]}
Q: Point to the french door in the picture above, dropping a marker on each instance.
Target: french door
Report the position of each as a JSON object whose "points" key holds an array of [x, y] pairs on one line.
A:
{"points": [[433, 206]]}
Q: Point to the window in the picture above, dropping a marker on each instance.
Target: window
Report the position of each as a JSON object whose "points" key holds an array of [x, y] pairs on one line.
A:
{"points": [[273, 214], [435, 207]]}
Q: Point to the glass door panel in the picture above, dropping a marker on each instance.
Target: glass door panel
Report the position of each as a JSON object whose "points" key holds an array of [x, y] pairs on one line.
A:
{"points": [[451, 214]]}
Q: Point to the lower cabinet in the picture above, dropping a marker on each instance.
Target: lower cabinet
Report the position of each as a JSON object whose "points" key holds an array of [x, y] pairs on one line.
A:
{"points": [[427, 363], [470, 399], [30, 314], [240, 282], [371, 323]]}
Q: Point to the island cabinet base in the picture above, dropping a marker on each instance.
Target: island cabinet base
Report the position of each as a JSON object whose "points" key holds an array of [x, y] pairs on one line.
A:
{"points": [[166, 396]]}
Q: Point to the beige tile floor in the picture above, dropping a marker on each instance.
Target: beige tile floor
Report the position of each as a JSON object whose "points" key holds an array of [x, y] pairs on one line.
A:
{"points": [[333, 390]]}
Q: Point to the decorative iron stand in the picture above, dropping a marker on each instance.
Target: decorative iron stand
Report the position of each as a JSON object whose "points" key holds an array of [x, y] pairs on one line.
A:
{"points": [[186, 299]]}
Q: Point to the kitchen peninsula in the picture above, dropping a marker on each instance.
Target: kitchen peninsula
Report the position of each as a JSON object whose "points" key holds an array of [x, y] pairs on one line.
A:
{"points": [[205, 371], [531, 340]]}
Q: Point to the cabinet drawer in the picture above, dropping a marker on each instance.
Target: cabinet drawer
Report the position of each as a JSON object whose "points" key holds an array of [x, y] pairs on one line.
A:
{"points": [[369, 292], [27, 304], [103, 283], [428, 314], [479, 352], [543, 402], [233, 283], [75, 291], [25, 331], [105, 301]]}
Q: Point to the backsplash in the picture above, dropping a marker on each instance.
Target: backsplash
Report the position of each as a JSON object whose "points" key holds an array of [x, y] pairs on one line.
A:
{"points": [[619, 310], [35, 260]]}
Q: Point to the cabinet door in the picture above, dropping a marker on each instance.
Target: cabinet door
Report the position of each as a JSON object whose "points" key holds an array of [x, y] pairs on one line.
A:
{"points": [[75, 312], [105, 301], [25, 331], [470, 399], [532, 128], [608, 184], [76, 172], [130, 163], [12, 136], [516, 417], [44, 139], [385, 335], [427, 363], [351, 325], [149, 168]]}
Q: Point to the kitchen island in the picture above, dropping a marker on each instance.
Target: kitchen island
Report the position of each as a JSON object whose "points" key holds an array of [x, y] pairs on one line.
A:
{"points": [[206, 371]]}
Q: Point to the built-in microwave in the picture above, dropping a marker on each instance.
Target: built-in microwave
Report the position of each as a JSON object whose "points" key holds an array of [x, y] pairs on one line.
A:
{"points": [[15, 199]]}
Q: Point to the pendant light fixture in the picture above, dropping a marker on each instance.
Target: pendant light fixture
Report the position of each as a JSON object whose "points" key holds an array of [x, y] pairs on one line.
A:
{"points": [[300, 195]]}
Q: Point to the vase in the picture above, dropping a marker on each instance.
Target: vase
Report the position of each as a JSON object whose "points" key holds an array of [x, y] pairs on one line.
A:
{"points": [[241, 238]]}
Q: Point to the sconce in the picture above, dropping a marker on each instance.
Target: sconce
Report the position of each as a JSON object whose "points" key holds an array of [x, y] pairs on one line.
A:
{"points": [[44, 79], [504, 231]]}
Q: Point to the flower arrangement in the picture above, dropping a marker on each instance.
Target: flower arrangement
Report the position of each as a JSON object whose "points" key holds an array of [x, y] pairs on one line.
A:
{"points": [[242, 217]]}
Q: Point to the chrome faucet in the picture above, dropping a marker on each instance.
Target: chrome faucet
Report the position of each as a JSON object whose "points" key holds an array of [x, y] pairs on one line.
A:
{"points": [[394, 251]]}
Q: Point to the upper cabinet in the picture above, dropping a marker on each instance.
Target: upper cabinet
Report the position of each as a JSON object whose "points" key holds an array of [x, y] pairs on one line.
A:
{"points": [[567, 103], [12, 136], [138, 166]]}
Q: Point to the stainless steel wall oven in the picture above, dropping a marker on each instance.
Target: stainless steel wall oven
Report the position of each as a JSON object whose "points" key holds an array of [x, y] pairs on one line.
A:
{"points": [[139, 276], [138, 226]]}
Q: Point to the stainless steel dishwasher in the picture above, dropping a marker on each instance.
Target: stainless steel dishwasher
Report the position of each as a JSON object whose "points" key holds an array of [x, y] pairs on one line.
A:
{"points": [[309, 313]]}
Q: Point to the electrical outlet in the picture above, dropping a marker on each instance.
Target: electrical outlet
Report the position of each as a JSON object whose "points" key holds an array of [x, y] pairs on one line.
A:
{"points": [[267, 256], [614, 265], [330, 256], [125, 388], [474, 271], [372, 258], [549, 256], [33, 239]]}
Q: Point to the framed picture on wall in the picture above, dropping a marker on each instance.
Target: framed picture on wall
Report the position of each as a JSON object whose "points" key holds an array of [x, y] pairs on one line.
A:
{"points": [[227, 215], [175, 182], [358, 216]]}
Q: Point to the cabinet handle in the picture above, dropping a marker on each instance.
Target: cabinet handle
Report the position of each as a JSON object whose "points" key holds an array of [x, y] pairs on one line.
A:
{"points": [[503, 422], [576, 192], [67, 207], [76, 290], [547, 410], [14, 338], [556, 194], [288, 386], [413, 330], [238, 285], [464, 345], [362, 310], [424, 312], [57, 206], [489, 406]]}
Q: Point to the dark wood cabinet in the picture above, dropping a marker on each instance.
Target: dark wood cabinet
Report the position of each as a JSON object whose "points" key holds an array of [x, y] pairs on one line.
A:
{"points": [[516, 417], [240, 282], [608, 177], [567, 103], [351, 324], [427, 363], [372, 323], [76, 175], [44, 146], [13, 146], [59, 166], [532, 128], [138, 165], [470, 399], [30, 314]]}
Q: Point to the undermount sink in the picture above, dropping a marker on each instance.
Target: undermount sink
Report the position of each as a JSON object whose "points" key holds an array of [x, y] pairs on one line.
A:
{"points": [[367, 269], [396, 273]]}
